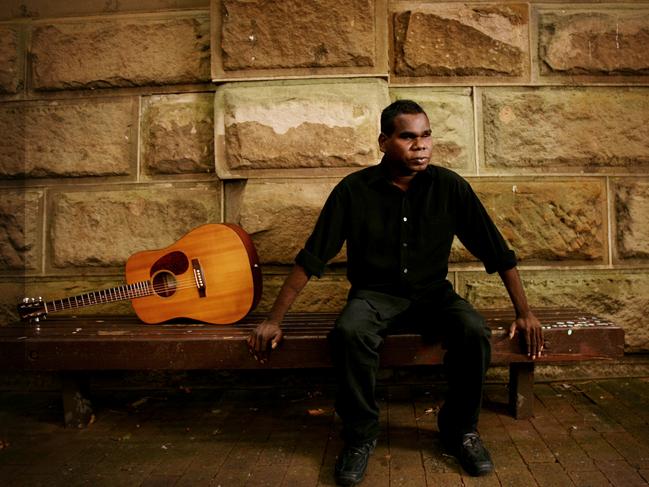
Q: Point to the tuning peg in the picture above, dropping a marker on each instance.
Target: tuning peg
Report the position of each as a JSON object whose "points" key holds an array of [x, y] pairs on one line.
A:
{"points": [[25, 300]]}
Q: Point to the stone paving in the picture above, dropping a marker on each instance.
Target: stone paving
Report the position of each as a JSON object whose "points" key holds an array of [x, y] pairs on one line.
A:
{"points": [[586, 433]]}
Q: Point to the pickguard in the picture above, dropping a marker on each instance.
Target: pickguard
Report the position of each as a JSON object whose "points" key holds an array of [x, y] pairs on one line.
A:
{"points": [[175, 262]]}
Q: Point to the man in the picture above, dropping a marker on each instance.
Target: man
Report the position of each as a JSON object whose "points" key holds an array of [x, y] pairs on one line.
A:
{"points": [[398, 219]]}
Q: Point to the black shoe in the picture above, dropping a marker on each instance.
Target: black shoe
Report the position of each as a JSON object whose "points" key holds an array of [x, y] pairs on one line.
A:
{"points": [[473, 455], [468, 448], [352, 462]]}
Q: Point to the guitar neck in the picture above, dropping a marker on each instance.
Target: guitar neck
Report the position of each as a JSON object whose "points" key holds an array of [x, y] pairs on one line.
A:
{"points": [[119, 293]]}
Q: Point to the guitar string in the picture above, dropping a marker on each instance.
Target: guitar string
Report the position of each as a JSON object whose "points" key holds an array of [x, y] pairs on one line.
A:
{"points": [[134, 291], [186, 283]]}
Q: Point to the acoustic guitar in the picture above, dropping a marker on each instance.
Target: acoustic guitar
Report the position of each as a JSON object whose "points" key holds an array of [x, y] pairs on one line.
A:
{"points": [[211, 274]]}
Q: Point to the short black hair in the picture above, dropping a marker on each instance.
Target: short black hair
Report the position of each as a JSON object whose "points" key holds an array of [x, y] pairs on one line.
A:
{"points": [[393, 110]]}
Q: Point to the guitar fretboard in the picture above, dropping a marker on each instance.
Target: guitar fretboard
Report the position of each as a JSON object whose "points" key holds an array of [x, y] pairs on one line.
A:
{"points": [[119, 293]]}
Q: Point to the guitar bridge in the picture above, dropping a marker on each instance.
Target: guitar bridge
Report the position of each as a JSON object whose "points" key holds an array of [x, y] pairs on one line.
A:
{"points": [[199, 278]]}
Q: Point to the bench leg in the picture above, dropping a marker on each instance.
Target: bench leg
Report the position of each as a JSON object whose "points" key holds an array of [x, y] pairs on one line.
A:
{"points": [[77, 409], [521, 389]]}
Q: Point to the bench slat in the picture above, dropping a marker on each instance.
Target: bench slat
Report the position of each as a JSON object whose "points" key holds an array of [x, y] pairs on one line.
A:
{"points": [[124, 343]]}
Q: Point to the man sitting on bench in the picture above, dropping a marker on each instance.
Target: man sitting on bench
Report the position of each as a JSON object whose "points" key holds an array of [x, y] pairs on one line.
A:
{"points": [[398, 219]]}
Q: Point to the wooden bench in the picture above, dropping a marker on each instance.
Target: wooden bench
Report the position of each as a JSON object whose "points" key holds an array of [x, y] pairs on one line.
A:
{"points": [[71, 345]]}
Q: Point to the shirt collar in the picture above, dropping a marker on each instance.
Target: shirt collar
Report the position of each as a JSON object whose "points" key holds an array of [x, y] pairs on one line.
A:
{"points": [[381, 174]]}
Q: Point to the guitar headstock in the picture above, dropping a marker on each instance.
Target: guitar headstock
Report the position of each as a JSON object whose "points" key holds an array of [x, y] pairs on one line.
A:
{"points": [[32, 309]]}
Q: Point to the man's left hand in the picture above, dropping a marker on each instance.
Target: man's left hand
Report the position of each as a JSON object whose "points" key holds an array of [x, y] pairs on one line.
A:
{"points": [[530, 327]]}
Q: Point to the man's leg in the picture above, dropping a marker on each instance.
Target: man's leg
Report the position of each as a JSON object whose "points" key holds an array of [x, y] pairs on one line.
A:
{"points": [[468, 352], [465, 336], [354, 342]]}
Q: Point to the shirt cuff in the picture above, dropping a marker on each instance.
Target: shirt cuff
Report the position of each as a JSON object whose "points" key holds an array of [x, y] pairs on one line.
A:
{"points": [[312, 265], [507, 261]]}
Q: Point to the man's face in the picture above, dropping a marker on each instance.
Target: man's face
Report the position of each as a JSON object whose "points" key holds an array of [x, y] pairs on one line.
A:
{"points": [[407, 149]]}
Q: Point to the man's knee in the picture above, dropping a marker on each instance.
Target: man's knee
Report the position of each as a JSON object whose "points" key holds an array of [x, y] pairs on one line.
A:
{"points": [[474, 325], [356, 325], [468, 343], [468, 326]]}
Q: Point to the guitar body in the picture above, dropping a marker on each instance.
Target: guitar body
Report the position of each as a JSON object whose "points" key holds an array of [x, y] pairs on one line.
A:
{"points": [[211, 274]]}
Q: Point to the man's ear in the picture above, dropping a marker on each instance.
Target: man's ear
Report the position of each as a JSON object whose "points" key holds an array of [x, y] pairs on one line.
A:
{"points": [[382, 139]]}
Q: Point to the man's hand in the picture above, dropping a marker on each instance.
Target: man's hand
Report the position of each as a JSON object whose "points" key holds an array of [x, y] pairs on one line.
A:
{"points": [[263, 339], [530, 328], [525, 322]]}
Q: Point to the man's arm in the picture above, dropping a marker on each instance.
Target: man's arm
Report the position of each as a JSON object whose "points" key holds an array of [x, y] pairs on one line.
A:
{"points": [[268, 334], [525, 321]]}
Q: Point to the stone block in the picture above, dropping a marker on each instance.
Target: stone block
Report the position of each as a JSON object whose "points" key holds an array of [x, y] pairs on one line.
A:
{"points": [[294, 127], [325, 295], [11, 59], [295, 38], [178, 134], [442, 41], [450, 112], [120, 52], [280, 215], [41, 9], [20, 230], [565, 130], [631, 218], [101, 229], [620, 296], [12, 292], [547, 221], [598, 43], [67, 138]]}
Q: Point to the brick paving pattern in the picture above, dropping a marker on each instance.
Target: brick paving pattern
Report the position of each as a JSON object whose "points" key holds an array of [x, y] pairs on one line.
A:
{"points": [[583, 434]]}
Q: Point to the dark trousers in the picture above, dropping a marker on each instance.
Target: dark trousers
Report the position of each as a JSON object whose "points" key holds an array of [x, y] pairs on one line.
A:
{"points": [[358, 335]]}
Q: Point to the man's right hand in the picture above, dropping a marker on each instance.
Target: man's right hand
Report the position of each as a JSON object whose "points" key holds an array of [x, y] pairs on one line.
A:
{"points": [[264, 339], [268, 335]]}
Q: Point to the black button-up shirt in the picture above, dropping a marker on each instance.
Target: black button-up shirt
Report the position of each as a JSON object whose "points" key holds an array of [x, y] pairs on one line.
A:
{"points": [[399, 242]]}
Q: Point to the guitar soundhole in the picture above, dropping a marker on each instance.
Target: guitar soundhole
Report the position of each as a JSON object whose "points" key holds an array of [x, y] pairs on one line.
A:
{"points": [[164, 284]]}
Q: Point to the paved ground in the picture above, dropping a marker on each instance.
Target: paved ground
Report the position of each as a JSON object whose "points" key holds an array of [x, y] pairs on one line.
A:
{"points": [[584, 433]]}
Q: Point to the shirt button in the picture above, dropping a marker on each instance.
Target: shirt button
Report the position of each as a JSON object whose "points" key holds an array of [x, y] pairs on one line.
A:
{"points": [[405, 244], [405, 271], [405, 219]]}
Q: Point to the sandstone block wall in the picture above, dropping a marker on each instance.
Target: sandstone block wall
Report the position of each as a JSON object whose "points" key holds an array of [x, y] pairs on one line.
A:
{"points": [[125, 124]]}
